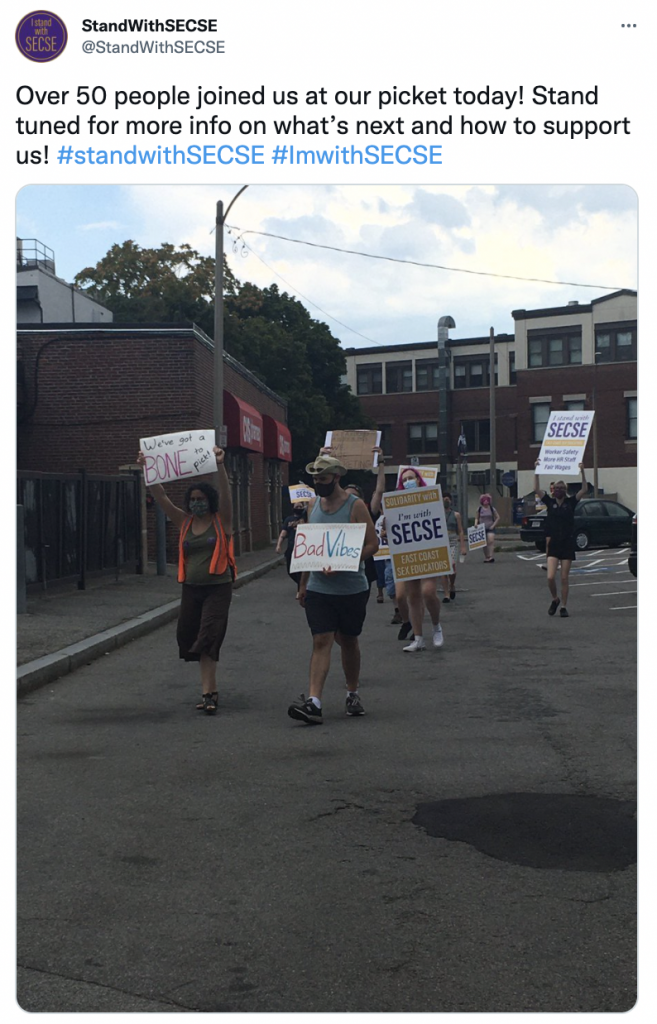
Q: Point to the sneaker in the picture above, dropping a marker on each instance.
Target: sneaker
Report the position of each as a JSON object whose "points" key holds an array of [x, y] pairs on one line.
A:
{"points": [[404, 631], [452, 595], [445, 600], [553, 607], [396, 619], [353, 705], [564, 613], [438, 638], [418, 644], [305, 711]]}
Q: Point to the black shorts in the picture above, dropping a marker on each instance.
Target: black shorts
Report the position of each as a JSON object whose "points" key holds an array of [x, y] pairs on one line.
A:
{"points": [[336, 613], [564, 550]]}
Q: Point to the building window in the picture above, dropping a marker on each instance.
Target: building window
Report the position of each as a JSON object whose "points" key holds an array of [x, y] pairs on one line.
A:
{"points": [[631, 415], [399, 377], [473, 371], [574, 405], [369, 380], [554, 348], [477, 435], [426, 374], [386, 439], [422, 438], [615, 343], [512, 367], [540, 417]]}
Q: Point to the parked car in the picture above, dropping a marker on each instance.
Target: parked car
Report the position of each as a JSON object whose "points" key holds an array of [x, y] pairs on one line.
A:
{"points": [[631, 560], [598, 521]]}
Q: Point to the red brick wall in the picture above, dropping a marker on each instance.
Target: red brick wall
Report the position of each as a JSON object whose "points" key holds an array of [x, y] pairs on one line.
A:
{"points": [[97, 393]]}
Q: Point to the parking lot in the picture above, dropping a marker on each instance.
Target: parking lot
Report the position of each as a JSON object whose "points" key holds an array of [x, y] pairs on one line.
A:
{"points": [[603, 572]]}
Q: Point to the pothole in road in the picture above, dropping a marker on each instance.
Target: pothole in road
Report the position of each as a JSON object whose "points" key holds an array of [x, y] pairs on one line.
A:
{"points": [[539, 830]]}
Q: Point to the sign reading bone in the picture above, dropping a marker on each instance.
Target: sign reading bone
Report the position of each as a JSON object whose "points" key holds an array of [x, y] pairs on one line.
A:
{"points": [[178, 456]]}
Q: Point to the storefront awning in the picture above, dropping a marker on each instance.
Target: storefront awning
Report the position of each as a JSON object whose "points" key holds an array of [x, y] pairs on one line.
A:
{"points": [[278, 440], [245, 428]]}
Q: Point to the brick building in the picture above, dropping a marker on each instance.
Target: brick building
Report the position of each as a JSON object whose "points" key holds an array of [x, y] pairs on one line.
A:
{"points": [[87, 393], [568, 357]]}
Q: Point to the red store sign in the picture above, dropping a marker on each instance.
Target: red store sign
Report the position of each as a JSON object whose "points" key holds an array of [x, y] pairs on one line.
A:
{"points": [[278, 440], [245, 427]]}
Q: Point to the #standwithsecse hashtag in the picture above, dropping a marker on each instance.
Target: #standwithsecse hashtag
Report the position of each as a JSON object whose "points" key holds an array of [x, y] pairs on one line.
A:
{"points": [[279, 154], [65, 155]]}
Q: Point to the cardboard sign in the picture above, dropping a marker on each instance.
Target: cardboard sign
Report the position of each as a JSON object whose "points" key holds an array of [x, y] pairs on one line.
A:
{"points": [[320, 546], [178, 456], [354, 447], [417, 533], [428, 473], [476, 537], [300, 492], [564, 442]]}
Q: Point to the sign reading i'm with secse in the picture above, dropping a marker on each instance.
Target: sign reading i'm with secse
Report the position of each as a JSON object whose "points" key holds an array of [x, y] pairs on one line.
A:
{"points": [[417, 533]]}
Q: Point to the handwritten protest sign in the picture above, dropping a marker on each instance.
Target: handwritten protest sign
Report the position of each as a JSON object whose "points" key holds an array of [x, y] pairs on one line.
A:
{"points": [[354, 447], [300, 492], [318, 546], [178, 456], [417, 533], [428, 473], [476, 537], [564, 442]]}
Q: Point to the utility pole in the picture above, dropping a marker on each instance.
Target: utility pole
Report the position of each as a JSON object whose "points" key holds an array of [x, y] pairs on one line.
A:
{"points": [[218, 404], [444, 325], [493, 439]]}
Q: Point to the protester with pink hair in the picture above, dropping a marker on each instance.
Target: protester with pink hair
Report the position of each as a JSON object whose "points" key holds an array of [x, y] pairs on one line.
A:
{"points": [[489, 517], [418, 593]]}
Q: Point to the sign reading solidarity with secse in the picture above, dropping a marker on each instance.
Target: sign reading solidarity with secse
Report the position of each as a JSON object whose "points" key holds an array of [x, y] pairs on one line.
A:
{"points": [[300, 492], [178, 456], [417, 533], [317, 547], [564, 442]]}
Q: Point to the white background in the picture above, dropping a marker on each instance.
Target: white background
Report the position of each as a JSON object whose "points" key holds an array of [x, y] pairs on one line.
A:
{"points": [[370, 45]]}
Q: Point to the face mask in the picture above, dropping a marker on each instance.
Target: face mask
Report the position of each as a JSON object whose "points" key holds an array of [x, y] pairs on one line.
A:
{"points": [[199, 506], [410, 484], [559, 492], [326, 490]]}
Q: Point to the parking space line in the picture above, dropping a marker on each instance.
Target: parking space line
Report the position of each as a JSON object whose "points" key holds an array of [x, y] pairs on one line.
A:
{"points": [[599, 583], [621, 607], [612, 593]]}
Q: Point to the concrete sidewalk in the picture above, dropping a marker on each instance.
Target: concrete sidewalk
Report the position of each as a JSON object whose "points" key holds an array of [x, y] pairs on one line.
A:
{"points": [[66, 627]]}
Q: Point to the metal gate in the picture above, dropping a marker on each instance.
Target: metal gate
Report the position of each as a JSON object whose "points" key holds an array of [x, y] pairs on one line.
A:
{"points": [[78, 524]]}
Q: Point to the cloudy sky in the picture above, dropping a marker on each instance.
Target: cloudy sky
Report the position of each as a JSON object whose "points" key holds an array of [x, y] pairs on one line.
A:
{"points": [[586, 235]]}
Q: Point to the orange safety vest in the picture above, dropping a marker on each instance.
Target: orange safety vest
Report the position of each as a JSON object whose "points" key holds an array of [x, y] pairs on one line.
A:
{"points": [[222, 557]]}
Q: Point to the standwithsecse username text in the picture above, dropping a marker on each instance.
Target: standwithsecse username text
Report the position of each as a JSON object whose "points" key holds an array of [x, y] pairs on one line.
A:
{"points": [[245, 154]]}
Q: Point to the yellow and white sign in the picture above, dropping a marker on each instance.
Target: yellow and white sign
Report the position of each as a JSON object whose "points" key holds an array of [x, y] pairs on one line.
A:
{"points": [[384, 551], [564, 442], [476, 537], [417, 533], [300, 492]]}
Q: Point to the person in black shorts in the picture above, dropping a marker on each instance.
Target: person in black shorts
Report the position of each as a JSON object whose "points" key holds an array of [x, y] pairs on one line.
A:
{"points": [[560, 536], [287, 535]]}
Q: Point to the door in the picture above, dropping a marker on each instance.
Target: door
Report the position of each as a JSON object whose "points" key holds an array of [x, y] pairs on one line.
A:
{"points": [[620, 522], [592, 517]]}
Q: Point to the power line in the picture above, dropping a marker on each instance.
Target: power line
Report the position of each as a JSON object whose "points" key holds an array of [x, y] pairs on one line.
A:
{"points": [[431, 266], [288, 283]]}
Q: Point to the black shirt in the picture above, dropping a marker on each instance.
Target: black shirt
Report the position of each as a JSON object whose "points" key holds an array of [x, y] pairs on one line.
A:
{"points": [[560, 521], [290, 524]]}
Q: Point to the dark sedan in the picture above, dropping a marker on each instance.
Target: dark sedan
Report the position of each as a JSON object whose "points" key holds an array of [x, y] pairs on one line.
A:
{"points": [[598, 521]]}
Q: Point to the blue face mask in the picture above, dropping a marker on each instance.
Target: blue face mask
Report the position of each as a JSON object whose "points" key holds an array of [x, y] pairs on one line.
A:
{"points": [[409, 484]]}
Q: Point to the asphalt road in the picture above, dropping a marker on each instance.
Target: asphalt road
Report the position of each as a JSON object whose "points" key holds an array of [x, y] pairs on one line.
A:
{"points": [[468, 845]]}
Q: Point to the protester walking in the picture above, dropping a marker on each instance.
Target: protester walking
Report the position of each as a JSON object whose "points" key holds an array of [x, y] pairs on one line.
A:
{"points": [[560, 536], [206, 569], [457, 543], [287, 535], [335, 602], [419, 594], [487, 516]]}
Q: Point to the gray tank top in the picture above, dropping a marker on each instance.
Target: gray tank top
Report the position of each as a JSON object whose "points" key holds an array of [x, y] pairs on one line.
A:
{"points": [[452, 525], [338, 582]]}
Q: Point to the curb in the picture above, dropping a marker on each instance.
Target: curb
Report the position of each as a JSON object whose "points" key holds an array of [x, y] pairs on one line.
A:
{"points": [[35, 674]]}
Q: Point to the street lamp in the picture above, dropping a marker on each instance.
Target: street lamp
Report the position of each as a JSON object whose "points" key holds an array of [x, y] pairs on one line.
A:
{"points": [[218, 406], [444, 325]]}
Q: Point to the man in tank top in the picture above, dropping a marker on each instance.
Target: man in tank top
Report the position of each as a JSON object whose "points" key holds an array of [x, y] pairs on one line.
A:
{"points": [[335, 602]]}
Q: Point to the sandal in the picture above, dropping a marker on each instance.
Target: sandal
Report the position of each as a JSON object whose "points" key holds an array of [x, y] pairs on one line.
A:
{"points": [[208, 703]]}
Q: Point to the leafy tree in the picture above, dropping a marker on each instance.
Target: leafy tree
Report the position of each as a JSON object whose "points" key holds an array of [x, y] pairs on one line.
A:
{"points": [[270, 332]]}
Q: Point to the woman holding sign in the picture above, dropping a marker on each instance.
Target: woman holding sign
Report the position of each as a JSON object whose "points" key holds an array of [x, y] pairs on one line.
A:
{"points": [[206, 569], [560, 536], [419, 593]]}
